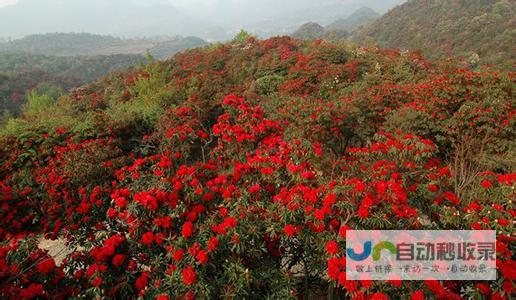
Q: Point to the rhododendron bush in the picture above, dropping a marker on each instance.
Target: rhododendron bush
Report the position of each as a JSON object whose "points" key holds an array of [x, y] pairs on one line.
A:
{"points": [[236, 170]]}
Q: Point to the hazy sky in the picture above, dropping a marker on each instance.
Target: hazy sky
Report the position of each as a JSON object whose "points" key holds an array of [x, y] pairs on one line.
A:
{"points": [[210, 19], [7, 2], [193, 4]]}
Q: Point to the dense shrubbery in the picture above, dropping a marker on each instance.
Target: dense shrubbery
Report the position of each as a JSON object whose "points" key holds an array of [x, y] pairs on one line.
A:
{"points": [[164, 184]]}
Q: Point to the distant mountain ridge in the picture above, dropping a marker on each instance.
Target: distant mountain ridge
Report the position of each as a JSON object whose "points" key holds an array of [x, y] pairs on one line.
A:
{"points": [[479, 31], [339, 29], [86, 44], [215, 20], [310, 30], [359, 18]]}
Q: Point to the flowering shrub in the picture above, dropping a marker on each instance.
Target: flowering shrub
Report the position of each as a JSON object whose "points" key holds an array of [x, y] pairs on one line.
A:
{"points": [[28, 272], [224, 196]]}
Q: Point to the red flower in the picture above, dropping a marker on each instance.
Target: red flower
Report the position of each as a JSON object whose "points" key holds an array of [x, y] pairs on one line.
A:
{"points": [[486, 184], [254, 189], [308, 175], [202, 257], [419, 295], [120, 202], [118, 260], [178, 254], [142, 281], [506, 179], [163, 297], [476, 226], [290, 230], [483, 288], [334, 265], [381, 187], [332, 247], [360, 186], [343, 229], [46, 266], [349, 285], [433, 188], [189, 275], [329, 200], [97, 281], [504, 222], [366, 283], [111, 213], [147, 238], [213, 244], [33, 291], [451, 197], [508, 286], [363, 211], [498, 296], [319, 214], [508, 269], [188, 229], [379, 296], [395, 282], [445, 171]]}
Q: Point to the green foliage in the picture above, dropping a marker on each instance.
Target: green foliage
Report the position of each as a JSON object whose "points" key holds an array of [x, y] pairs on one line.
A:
{"points": [[43, 112], [37, 105], [268, 84], [242, 37], [445, 28], [37, 102], [49, 89], [149, 98]]}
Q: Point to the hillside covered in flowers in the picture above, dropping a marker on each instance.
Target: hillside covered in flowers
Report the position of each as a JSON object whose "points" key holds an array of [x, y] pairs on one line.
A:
{"points": [[235, 171]]}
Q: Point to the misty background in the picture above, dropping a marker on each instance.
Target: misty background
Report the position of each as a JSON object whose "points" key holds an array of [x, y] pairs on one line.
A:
{"points": [[209, 19]]}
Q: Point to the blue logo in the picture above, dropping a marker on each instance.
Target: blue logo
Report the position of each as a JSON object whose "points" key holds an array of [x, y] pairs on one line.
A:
{"points": [[368, 250]]}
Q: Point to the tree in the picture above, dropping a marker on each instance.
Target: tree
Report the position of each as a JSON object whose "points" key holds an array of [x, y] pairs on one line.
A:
{"points": [[242, 37]]}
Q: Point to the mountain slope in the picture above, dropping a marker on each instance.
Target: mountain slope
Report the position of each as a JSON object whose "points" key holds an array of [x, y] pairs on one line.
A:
{"points": [[453, 27], [60, 44], [73, 44], [339, 29], [360, 17], [310, 30]]}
